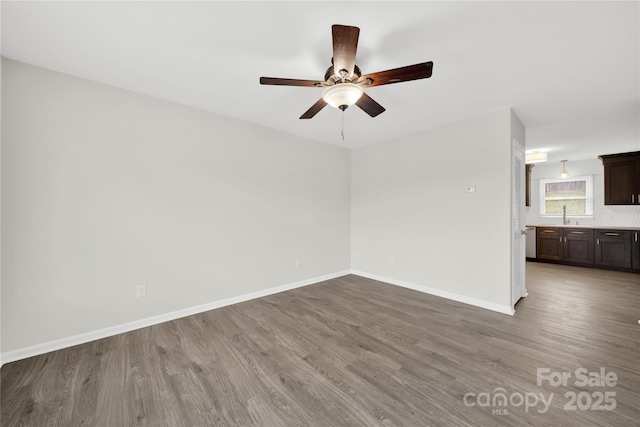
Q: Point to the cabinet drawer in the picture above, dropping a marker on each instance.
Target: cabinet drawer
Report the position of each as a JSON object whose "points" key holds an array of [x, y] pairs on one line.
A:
{"points": [[579, 232], [549, 232], [623, 235]]}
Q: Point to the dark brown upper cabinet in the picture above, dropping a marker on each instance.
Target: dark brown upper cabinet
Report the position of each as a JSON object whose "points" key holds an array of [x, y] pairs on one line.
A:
{"points": [[621, 178], [527, 188]]}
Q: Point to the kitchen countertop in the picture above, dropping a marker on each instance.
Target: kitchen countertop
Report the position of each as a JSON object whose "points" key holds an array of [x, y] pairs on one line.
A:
{"points": [[601, 227]]}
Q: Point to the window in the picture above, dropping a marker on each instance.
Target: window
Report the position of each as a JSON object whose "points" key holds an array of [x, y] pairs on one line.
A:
{"points": [[574, 193]]}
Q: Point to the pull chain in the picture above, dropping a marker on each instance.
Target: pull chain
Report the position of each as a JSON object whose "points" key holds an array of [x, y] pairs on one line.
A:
{"points": [[342, 129]]}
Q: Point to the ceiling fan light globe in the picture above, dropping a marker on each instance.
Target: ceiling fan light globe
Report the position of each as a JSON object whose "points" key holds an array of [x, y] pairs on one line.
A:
{"points": [[342, 95]]}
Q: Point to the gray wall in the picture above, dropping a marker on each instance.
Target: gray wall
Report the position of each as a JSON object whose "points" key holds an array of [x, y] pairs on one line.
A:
{"points": [[413, 223], [1, 66], [104, 189]]}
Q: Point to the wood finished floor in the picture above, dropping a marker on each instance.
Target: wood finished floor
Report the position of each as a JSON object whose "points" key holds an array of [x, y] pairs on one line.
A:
{"points": [[348, 352]]}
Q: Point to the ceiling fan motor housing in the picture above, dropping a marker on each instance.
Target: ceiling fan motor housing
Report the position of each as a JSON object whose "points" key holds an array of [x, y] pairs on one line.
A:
{"points": [[331, 77]]}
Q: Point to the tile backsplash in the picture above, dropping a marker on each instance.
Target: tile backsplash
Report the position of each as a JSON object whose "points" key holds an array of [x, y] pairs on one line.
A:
{"points": [[623, 216]]}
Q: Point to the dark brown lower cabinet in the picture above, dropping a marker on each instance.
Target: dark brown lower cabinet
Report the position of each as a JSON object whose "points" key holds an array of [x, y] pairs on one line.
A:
{"points": [[613, 248], [549, 243], [603, 248], [578, 245], [570, 245], [635, 250]]}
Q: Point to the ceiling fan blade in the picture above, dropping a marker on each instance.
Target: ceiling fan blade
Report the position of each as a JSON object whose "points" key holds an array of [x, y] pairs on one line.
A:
{"points": [[345, 45], [369, 106], [397, 75], [289, 82], [315, 108]]}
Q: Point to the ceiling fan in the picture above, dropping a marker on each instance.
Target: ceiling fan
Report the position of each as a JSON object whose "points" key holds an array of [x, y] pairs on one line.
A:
{"points": [[343, 80]]}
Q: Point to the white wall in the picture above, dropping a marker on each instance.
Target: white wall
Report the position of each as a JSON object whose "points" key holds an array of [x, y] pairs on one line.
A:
{"points": [[1, 362], [104, 189], [413, 223], [517, 129], [621, 216]]}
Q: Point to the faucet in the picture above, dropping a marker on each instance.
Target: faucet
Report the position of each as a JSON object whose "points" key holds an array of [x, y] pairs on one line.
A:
{"points": [[565, 221]]}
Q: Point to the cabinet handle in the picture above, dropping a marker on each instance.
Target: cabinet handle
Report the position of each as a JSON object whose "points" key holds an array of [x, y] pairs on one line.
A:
{"points": [[548, 231], [636, 236], [565, 240], [612, 234], [598, 241], [577, 232], [633, 201]]}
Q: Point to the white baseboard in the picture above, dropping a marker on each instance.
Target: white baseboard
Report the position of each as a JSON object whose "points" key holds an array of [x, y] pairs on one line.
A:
{"points": [[504, 309], [23, 353]]}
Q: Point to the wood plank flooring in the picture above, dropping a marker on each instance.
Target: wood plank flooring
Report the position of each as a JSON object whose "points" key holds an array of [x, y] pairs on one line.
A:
{"points": [[352, 352]]}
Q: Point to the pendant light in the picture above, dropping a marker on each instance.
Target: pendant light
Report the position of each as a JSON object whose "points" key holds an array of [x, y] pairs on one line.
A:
{"points": [[564, 173]]}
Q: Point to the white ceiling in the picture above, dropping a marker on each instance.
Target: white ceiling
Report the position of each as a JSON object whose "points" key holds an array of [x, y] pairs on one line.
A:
{"points": [[570, 70]]}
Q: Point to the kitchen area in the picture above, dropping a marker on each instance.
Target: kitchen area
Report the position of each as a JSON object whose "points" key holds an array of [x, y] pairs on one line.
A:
{"points": [[585, 213]]}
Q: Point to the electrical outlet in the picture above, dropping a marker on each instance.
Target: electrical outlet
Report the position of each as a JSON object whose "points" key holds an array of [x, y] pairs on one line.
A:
{"points": [[141, 291], [298, 262]]}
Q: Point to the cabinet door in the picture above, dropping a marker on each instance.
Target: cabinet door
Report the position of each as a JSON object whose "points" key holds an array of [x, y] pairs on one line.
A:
{"points": [[635, 250], [549, 243], [578, 245], [637, 198], [613, 248], [620, 179]]}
